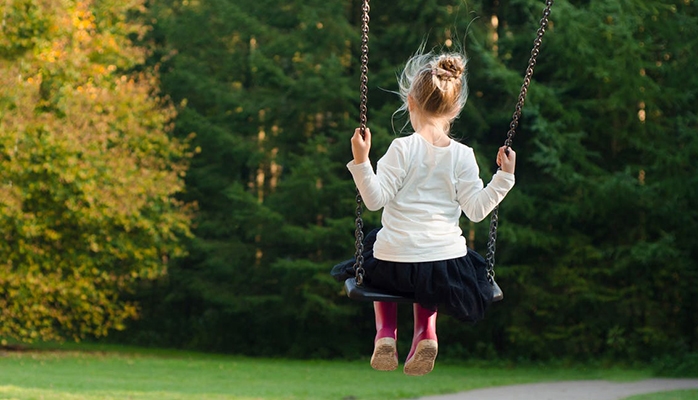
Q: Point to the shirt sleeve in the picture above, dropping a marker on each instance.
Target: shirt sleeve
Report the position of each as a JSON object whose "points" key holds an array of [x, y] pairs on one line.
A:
{"points": [[475, 200], [377, 189]]}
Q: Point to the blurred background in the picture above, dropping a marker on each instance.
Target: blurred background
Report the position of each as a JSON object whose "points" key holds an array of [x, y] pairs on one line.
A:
{"points": [[172, 173]]}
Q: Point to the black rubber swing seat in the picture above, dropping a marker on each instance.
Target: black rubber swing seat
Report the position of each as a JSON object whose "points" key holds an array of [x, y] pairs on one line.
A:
{"points": [[367, 293]]}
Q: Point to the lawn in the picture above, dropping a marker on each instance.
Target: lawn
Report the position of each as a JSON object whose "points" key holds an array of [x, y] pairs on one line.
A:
{"points": [[676, 395], [140, 374]]}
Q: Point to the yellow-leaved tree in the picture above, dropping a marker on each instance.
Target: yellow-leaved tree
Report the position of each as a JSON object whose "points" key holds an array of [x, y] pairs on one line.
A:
{"points": [[88, 170]]}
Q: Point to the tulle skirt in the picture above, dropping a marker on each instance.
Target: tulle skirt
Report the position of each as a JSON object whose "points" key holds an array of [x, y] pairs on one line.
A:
{"points": [[458, 287]]}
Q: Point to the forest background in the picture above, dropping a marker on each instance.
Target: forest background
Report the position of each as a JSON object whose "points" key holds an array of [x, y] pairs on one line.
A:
{"points": [[172, 173]]}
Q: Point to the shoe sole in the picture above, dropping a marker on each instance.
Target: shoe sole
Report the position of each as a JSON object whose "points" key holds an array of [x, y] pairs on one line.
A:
{"points": [[422, 362], [384, 356]]}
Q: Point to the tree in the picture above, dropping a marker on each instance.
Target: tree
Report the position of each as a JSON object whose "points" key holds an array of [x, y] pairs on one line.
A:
{"points": [[88, 172], [597, 257], [267, 94]]}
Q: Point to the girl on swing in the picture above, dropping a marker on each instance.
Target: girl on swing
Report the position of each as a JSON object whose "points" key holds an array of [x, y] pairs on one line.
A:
{"points": [[423, 183]]}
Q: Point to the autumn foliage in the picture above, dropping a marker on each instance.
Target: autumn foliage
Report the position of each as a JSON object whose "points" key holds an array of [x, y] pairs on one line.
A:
{"points": [[88, 172]]}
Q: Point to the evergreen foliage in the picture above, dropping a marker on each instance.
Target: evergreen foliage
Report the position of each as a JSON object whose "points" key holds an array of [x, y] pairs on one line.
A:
{"points": [[612, 265], [595, 252]]}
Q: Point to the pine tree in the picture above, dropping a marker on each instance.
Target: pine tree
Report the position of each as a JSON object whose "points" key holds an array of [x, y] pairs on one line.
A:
{"points": [[268, 95], [597, 260]]}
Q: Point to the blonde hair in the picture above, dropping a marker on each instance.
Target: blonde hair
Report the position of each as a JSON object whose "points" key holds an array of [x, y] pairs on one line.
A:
{"points": [[436, 82]]}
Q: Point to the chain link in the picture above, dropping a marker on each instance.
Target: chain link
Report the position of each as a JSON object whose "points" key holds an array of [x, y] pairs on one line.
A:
{"points": [[363, 110], [494, 219]]}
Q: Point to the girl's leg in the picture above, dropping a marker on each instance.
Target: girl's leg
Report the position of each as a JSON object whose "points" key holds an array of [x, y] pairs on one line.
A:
{"points": [[422, 355], [384, 356]]}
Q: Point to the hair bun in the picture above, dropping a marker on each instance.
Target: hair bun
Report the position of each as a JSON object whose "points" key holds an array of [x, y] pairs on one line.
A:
{"points": [[449, 67], [436, 84]]}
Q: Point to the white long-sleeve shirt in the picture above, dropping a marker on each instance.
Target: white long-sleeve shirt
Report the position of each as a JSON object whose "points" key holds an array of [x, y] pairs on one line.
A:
{"points": [[423, 189]]}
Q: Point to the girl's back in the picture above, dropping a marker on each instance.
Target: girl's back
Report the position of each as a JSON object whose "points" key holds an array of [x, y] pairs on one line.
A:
{"points": [[421, 209]]}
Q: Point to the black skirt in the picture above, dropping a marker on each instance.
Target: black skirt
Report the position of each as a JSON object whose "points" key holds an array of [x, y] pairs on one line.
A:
{"points": [[458, 287]]}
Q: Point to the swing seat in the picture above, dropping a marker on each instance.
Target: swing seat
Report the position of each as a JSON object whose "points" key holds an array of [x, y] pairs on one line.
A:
{"points": [[366, 293]]}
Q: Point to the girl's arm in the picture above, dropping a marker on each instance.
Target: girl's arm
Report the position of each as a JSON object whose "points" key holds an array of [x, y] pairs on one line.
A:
{"points": [[376, 189], [477, 201]]}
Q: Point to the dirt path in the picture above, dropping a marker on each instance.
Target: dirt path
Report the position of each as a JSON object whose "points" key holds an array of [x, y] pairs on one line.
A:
{"points": [[572, 390]]}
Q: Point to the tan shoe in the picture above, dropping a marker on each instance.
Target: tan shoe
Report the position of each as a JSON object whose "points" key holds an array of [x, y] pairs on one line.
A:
{"points": [[422, 361], [384, 356]]}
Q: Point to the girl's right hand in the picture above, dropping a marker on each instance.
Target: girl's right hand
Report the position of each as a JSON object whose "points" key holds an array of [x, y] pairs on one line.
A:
{"points": [[360, 145], [507, 162]]}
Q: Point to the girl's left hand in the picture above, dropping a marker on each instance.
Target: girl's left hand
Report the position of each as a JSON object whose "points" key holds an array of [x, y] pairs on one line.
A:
{"points": [[507, 162], [360, 146]]}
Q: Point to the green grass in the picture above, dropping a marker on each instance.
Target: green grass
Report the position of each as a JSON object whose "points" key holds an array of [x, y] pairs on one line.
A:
{"points": [[675, 395], [140, 374]]}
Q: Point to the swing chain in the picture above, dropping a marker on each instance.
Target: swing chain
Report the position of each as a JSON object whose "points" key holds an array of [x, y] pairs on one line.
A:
{"points": [[529, 73], [494, 219], [359, 235], [363, 110], [492, 243]]}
